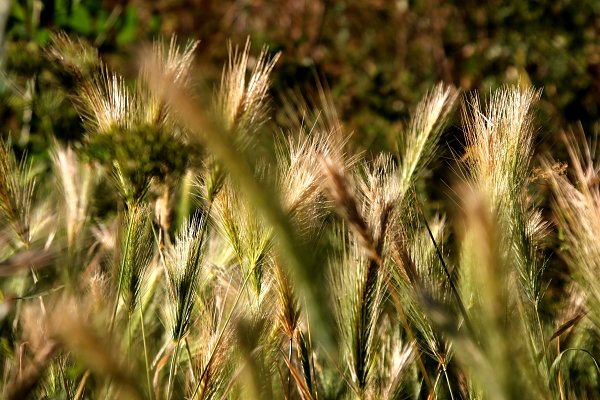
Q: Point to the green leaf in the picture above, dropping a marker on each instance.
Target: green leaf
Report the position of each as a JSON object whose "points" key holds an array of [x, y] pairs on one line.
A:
{"points": [[17, 11], [129, 30], [81, 21], [42, 36], [555, 368]]}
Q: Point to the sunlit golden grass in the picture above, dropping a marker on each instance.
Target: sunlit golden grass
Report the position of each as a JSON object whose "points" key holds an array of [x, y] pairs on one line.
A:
{"points": [[190, 247]]}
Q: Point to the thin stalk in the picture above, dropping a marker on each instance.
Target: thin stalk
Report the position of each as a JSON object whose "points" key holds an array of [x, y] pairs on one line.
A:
{"points": [[146, 354], [40, 294], [448, 381], [433, 394], [173, 368], [180, 334], [543, 340], [81, 386], [289, 377], [404, 320], [559, 375], [129, 340], [187, 348]]}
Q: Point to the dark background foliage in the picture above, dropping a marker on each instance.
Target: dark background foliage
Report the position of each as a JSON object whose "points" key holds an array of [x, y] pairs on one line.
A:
{"points": [[378, 57]]}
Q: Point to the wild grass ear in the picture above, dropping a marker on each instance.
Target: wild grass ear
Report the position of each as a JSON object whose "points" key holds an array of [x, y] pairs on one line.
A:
{"points": [[241, 102], [392, 371], [419, 146], [500, 141], [76, 181], [250, 238], [17, 187], [358, 291], [370, 213], [137, 250], [348, 205], [576, 207], [184, 262], [175, 62], [105, 102], [288, 308], [423, 286], [77, 57], [299, 177]]}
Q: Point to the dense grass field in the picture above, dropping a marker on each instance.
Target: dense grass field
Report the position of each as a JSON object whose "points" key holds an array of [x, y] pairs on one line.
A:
{"points": [[201, 243]]}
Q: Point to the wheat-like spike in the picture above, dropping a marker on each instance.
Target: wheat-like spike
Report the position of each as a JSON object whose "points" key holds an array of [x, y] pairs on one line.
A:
{"points": [[16, 193], [210, 182], [369, 214], [76, 181], [105, 102], [500, 144], [422, 283], [421, 143], [249, 237], [501, 364], [184, 262], [396, 357], [300, 178], [214, 349], [288, 312], [576, 206], [381, 192], [348, 205], [230, 96], [500, 141], [241, 103], [254, 104], [136, 253], [401, 360], [77, 57], [131, 193], [359, 292], [175, 63]]}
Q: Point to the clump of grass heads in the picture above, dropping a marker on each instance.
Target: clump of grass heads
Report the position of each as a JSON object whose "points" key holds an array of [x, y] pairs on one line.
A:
{"points": [[306, 269]]}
